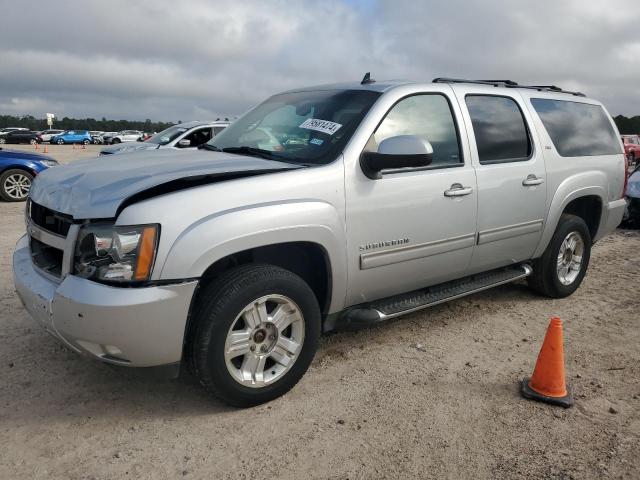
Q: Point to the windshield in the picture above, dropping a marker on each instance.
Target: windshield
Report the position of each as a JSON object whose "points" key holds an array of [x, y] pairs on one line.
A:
{"points": [[167, 135], [300, 127]]}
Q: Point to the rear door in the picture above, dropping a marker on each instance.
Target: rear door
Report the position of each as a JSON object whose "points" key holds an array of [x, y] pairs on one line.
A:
{"points": [[511, 177]]}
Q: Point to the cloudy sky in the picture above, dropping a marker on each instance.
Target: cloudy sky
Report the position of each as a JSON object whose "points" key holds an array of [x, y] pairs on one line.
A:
{"points": [[184, 60]]}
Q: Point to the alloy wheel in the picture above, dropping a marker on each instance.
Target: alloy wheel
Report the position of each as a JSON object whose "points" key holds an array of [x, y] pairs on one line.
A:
{"points": [[570, 258], [264, 341], [17, 186]]}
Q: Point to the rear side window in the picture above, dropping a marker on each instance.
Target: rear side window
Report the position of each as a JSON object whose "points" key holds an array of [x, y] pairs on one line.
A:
{"points": [[577, 129], [500, 129]]}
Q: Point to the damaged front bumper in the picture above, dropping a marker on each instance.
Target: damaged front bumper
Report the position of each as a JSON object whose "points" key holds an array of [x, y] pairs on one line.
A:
{"points": [[135, 327]]}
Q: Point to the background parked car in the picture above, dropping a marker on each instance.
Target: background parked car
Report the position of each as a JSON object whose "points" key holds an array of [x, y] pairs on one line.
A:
{"points": [[631, 148], [47, 134], [184, 135], [17, 170], [107, 136], [126, 136], [20, 136], [73, 136], [11, 129], [632, 196], [97, 137]]}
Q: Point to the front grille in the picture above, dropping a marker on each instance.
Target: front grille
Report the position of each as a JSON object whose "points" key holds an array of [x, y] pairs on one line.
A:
{"points": [[51, 221], [46, 258]]}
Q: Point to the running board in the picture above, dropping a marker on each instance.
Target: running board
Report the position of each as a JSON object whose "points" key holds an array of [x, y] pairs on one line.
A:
{"points": [[368, 314]]}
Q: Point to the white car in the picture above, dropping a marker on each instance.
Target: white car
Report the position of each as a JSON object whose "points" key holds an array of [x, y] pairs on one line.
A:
{"points": [[11, 129], [184, 135], [127, 136], [47, 134]]}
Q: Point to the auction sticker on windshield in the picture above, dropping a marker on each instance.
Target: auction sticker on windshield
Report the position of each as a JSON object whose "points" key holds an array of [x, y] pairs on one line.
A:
{"points": [[324, 126]]}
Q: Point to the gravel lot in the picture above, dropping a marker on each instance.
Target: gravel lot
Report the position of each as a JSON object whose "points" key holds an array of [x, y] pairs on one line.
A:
{"points": [[433, 395]]}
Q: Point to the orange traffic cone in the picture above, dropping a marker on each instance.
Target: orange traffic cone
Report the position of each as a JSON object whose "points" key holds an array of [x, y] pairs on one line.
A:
{"points": [[45, 149], [548, 381], [83, 147]]}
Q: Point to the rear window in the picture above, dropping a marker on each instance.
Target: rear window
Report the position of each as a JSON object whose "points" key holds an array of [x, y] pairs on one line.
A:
{"points": [[500, 129], [577, 129]]}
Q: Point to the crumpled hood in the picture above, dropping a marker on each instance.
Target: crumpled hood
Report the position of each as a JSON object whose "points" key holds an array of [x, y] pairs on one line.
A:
{"points": [[95, 188], [633, 185], [129, 147]]}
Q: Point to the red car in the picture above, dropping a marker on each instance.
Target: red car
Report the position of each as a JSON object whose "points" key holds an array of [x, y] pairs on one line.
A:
{"points": [[631, 148]]}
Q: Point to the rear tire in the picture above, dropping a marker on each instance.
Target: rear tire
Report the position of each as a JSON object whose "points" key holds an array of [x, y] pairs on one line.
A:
{"points": [[86, 142], [562, 267], [60, 141], [255, 332], [115, 140]]}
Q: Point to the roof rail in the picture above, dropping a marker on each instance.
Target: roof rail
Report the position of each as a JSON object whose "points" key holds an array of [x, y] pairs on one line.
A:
{"points": [[509, 84]]}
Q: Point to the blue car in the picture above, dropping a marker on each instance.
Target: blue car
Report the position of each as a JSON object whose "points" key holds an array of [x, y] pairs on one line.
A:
{"points": [[72, 136], [17, 170]]}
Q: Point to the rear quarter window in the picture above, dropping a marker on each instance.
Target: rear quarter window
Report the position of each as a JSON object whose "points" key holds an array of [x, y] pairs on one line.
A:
{"points": [[577, 129]]}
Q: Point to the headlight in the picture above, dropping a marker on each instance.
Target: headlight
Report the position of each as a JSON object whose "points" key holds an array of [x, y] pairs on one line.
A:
{"points": [[49, 163], [108, 253]]}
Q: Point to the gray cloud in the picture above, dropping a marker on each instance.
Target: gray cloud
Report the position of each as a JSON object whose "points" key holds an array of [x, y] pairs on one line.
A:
{"points": [[200, 59]]}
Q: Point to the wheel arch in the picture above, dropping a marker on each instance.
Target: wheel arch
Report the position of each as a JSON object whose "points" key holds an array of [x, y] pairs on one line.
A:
{"points": [[308, 260], [586, 202], [18, 166]]}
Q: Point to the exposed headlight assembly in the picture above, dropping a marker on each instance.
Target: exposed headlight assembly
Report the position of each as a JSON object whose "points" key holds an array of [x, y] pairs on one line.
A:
{"points": [[116, 254]]}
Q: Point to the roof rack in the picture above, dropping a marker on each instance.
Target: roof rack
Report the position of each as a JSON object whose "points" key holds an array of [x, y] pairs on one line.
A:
{"points": [[509, 84]]}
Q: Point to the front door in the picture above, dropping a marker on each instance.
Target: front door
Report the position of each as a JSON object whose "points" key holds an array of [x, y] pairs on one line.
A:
{"points": [[511, 178], [412, 227]]}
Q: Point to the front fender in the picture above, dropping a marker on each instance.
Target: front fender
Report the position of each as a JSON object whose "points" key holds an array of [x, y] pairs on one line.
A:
{"points": [[225, 233], [576, 186]]}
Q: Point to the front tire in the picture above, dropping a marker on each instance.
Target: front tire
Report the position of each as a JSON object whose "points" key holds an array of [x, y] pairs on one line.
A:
{"points": [[15, 185], [60, 141], [256, 331], [563, 265], [86, 142], [115, 140]]}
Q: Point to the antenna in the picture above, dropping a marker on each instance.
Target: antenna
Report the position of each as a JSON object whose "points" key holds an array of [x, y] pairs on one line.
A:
{"points": [[367, 79]]}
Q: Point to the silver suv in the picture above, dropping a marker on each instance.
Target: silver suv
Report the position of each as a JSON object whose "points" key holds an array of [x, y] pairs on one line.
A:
{"points": [[326, 208]]}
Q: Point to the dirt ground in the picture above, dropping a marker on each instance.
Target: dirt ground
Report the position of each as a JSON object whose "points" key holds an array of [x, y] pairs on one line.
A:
{"points": [[432, 395]]}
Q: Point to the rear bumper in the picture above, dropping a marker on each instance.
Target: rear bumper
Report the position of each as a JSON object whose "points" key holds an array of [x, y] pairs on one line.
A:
{"points": [[137, 327], [611, 218]]}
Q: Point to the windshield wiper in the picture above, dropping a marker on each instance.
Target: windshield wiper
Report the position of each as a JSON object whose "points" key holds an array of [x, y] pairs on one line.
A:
{"points": [[255, 152], [207, 146]]}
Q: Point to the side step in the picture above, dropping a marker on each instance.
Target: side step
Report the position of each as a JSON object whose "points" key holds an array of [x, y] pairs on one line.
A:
{"points": [[371, 313]]}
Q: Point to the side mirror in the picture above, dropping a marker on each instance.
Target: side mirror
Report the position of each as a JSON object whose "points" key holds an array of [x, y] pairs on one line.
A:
{"points": [[184, 143], [402, 151]]}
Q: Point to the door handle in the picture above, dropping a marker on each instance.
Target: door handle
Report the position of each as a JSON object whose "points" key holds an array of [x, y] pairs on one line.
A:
{"points": [[457, 190], [532, 180]]}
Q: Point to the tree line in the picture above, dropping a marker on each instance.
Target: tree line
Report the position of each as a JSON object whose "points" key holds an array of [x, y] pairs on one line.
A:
{"points": [[625, 125], [628, 125], [66, 123]]}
